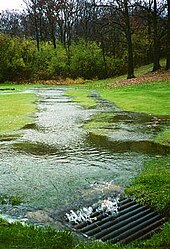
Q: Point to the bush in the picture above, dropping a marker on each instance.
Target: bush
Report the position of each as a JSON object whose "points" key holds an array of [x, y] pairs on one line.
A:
{"points": [[15, 57], [19, 60], [86, 61], [50, 63]]}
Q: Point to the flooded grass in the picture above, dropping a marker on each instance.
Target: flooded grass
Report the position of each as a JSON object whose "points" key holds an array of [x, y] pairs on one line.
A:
{"points": [[5, 138], [38, 149], [120, 146], [151, 98], [164, 137], [81, 96], [151, 187], [11, 200]]}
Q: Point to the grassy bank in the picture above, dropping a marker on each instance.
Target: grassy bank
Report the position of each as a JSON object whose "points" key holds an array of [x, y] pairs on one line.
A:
{"points": [[152, 186], [25, 237], [17, 108]]}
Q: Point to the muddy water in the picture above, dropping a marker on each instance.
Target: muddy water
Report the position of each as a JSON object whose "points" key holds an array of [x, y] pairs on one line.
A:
{"points": [[56, 162]]}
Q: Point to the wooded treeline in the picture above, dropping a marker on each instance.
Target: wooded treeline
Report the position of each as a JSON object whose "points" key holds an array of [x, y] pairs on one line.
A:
{"points": [[83, 38]]}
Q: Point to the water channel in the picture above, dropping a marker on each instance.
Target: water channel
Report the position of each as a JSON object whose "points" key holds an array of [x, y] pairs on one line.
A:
{"points": [[57, 163]]}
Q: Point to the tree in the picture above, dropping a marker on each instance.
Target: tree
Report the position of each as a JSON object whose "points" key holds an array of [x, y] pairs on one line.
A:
{"points": [[11, 23], [122, 7], [168, 38], [156, 52], [35, 15], [130, 73]]}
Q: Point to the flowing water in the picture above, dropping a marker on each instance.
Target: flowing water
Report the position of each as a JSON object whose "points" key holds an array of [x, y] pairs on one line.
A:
{"points": [[55, 162]]}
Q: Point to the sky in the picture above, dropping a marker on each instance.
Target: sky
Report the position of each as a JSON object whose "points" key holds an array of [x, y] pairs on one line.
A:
{"points": [[11, 4]]}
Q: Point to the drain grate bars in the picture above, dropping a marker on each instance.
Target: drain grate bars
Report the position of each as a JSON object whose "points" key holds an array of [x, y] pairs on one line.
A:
{"points": [[132, 222]]}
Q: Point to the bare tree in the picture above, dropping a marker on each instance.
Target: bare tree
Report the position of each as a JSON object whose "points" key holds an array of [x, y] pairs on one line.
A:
{"points": [[121, 9], [11, 23], [35, 11]]}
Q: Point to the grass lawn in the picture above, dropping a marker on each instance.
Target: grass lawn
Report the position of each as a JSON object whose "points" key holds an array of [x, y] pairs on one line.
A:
{"points": [[17, 109], [151, 98], [152, 186], [29, 237]]}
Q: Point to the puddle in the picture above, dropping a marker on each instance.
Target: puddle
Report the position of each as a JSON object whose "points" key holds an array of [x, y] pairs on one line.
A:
{"points": [[56, 164], [121, 145], [38, 149]]}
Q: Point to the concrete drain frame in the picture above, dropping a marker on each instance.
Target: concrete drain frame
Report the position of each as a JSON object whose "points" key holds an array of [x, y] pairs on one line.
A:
{"points": [[132, 222]]}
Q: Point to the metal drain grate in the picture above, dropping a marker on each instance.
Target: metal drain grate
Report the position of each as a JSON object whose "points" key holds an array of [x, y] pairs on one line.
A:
{"points": [[132, 222]]}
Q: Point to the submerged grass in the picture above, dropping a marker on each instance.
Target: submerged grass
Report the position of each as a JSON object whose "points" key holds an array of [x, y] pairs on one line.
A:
{"points": [[100, 124], [11, 200], [82, 97], [164, 137]]}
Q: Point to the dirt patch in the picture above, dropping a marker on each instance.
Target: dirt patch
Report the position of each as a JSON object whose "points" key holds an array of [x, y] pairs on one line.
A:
{"points": [[149, 77], [55, 82]]}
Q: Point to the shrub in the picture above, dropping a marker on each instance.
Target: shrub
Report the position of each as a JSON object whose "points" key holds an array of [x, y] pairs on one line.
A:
{"points": [[15, 57], [86, 61], [19, 60], [49, 62]]}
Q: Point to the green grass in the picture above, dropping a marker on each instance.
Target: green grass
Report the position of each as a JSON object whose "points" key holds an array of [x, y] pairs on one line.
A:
{"points": [[164, 137], [150, 98], [29, 237], [17, 109], [152, 186]]}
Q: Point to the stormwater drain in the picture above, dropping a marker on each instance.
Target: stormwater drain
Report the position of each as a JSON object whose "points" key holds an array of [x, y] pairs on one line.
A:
{"points": [[122, 222]]}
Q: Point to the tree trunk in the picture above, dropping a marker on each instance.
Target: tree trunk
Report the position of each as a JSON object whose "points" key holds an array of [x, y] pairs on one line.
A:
{"points": [[37, 35], [53, 35], [130, 73], [168, 38], [156, 55]]}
